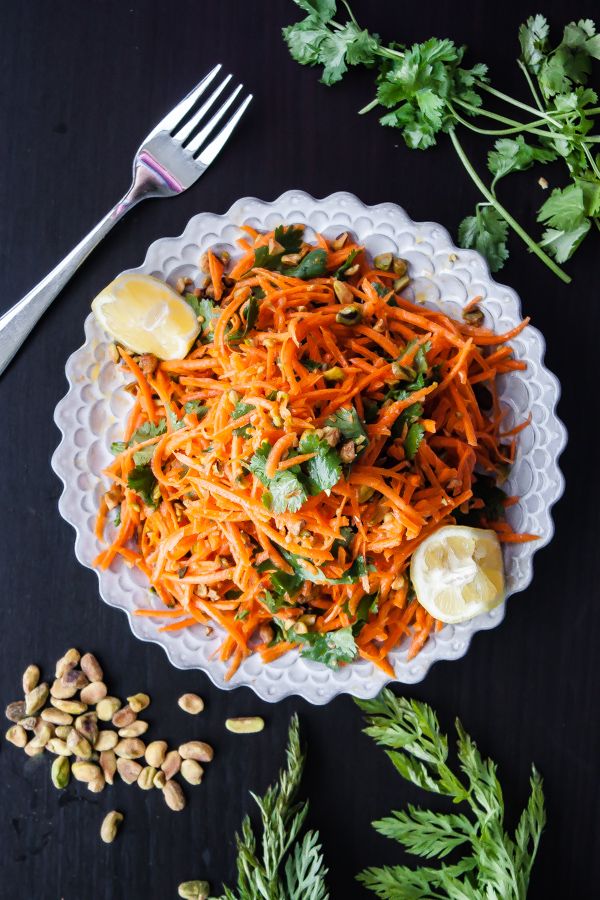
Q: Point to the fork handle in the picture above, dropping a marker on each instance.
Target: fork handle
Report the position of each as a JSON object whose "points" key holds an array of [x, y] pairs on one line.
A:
{"points": [[19, 320]]}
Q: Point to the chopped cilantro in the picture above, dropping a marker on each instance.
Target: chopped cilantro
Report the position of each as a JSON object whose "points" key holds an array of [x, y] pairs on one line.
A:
{"points": [[287, 492], [331, 648], [325, 469], [206, 310], [413, 439], [313, 265], [194, 406], [141, 480], [351, 427], [250, 312], [347, 264]]}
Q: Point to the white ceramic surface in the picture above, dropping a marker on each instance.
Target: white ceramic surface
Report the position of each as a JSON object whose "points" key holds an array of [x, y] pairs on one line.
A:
{"points": [[91, 414]]}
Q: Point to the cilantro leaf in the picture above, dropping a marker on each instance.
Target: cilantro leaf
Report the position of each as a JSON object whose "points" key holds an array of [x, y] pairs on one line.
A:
{"points": [[348, 422], [287, 492], [324, 10], [194, 406], [325, 469], [331, 648], [563, 244], [358, 568], [241, 409], [148, 430], [118, 447], [413, 439], [290, 239], [533, 38], [258, 462], [313, 265], [515, 156], [206, 311], [564, 209], [141, 480], [347, 264], [142, 457], [487, 233], [250, 312]]}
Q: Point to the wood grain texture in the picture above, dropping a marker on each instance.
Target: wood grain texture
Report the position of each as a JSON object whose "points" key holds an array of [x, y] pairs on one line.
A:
{"points": [[80, 83]]}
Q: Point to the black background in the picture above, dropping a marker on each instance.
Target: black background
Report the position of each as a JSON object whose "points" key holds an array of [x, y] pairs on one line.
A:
{"points": [[80, 85]]}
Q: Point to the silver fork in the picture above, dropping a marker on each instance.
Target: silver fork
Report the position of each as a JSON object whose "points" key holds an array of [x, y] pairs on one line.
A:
{"points": [[173, 156]]}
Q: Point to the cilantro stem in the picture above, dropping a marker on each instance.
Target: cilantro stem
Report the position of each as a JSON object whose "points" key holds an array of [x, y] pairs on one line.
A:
{"points": [[533, 246], [507, 99], [517, 129], [591, 161], [520, 126], [532, 87], [374, 102]]}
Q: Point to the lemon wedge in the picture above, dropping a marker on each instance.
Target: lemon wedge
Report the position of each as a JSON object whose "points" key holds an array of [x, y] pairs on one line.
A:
{"points": [[147, 316], [457, 573]]}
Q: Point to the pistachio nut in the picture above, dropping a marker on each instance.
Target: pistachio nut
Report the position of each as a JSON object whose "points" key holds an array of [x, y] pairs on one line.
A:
{"points": [[33, 748], [66, 662], [74, 707], [87, 726], [106, 740], [159, 780], [194, 890], [192, 771], [91, 667], [129, 770], [96, 785], [342, 291], [245, 724], [94, 692], [146, 778], [351, 314], [60, 772], [174, 796], [36, 698], [79, 745], [108, 764], [85, 771], [43, 731], [31, 677], [15, 711], [138, 702], [107, 707], [196, 750], [56, 716], [191, 703], [136, 729], [61, 690], [29, 723], [17, 735], [110, 824], [171, 764], [155, 753], [383, 261], [58, 746], [401, 283], [63, 731], [124, 717], [130, 748], [399, 266]]}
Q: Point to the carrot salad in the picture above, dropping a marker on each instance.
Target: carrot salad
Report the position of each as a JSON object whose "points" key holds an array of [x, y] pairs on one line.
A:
{"points": [[277, 480]]}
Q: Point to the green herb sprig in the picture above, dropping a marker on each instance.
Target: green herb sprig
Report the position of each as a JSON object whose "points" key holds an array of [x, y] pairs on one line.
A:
{"points": [[495, 864], [426, 91], [280, 863]]}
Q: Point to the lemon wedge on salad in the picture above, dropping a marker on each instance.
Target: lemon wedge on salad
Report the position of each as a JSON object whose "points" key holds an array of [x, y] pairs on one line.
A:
{"points": [[457, 573], [147, 316]]}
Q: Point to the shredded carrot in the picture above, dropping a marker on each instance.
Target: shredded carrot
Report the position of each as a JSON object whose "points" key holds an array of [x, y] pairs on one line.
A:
{"points": [[398, 428]]}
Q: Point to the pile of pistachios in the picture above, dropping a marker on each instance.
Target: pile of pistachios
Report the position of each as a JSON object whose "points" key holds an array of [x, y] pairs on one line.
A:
{"points": [[72, 719]]}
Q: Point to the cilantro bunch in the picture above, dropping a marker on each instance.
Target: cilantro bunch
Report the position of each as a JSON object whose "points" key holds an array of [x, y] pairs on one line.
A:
{"points": [[426, 91]]}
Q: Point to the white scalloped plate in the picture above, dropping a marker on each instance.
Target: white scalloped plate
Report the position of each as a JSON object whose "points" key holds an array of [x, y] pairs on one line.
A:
{"points": [[91, 414]]}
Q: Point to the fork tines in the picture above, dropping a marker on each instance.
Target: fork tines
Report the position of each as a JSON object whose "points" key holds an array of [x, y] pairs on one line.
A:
{"points": [[186, 122]]}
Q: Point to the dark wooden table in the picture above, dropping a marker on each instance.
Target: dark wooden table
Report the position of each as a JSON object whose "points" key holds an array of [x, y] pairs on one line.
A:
{"points": [[80, 83]]}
